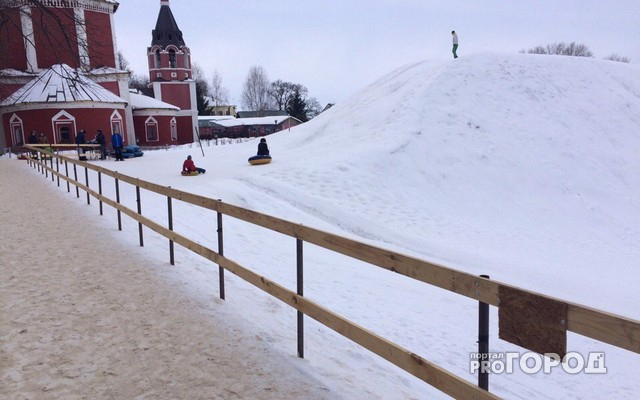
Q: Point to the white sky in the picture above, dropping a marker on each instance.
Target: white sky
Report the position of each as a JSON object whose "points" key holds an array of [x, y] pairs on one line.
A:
{"points": [[335, 48]]}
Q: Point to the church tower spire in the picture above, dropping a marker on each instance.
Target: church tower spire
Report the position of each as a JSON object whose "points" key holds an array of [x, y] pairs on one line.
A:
{"points": [[170, 75], [167, 31]]}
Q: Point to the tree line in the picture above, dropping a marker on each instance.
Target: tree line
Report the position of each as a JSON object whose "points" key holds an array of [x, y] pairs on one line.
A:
{"points": [[571, 49]]}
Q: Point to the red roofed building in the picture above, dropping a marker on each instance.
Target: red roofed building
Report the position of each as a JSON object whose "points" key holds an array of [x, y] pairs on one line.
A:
{"points": [[58, 75]]}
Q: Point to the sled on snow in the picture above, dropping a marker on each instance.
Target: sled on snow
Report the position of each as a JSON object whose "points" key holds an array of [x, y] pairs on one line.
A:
{"points": [[189, 173], [257, 160]]}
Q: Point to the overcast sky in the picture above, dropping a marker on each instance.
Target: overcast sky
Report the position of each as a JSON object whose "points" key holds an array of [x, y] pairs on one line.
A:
{"points": [[335, 47]]}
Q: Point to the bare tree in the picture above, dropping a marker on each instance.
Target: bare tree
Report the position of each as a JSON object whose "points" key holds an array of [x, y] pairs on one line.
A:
{"points": [[255, 95], [140, 82], [202, 89], [122, 64], [219, 94], [615, 57], [563, 49], [281, 92]]}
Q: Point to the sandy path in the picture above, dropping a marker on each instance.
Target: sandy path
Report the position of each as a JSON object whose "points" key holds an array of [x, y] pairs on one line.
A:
{"points": [[77, 323]]}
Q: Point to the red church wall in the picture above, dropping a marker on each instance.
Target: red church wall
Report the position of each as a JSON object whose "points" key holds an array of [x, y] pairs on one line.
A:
{"points": [[55, 42], [12, 48], [111, 86], [177, 94], [41, 121], [7, 90], [185, 130], [100, 39]]}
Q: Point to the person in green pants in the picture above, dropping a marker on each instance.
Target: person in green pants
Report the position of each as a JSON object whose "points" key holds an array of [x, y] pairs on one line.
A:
{"points": [[455, 44]]}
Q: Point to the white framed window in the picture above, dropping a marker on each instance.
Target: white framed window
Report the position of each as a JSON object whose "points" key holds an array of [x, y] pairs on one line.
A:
{"points": [[64, 126], [174, 129], [17, 130], [116, 123], [151, 130]]}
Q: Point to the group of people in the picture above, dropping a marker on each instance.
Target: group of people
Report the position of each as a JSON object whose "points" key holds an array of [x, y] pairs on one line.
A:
{"points": [[37, 139], [189, 166], [116, 142]]}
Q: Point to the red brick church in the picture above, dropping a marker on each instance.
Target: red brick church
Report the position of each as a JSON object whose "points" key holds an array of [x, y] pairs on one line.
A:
{"points": [[59, 75]]}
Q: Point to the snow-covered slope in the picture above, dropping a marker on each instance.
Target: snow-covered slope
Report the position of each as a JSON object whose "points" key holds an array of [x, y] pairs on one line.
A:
{"points": [[522, 167]]}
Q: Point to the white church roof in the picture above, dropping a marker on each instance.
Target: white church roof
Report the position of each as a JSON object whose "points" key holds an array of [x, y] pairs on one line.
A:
{"points": [[142, 102], [61, 84]]}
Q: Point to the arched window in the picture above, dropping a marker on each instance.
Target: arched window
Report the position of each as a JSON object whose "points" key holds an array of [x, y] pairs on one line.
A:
{"points": [[64, 126], [151, 129], [172, 58], [17, 131], [116, 123], [156, 58], [174, 129]]}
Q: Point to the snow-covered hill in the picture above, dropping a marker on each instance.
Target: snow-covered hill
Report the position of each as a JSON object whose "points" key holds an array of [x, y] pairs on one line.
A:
{"points": [[522, 167]]}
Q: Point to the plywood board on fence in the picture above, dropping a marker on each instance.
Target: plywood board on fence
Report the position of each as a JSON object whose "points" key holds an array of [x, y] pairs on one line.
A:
{"points": [[531, 321]]}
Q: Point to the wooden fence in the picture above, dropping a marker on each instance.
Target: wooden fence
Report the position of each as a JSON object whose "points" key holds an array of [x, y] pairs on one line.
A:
{"points": [[542, 313]]}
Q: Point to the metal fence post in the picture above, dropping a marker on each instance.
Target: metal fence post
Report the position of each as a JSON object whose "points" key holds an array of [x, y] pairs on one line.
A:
{"points": [[483, 341], [170, 216], [86, 181], [221, 253], [139, 213], [66, 173], [58, 170], [118, 201], [100, 190], [300, 292], [75, 178]]}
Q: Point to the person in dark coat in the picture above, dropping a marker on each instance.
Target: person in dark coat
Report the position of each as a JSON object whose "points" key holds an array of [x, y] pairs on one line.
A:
{"points": [[81, 139], [33, 139], [117, 143], [263, 149], [102, 141], [189, 166]]}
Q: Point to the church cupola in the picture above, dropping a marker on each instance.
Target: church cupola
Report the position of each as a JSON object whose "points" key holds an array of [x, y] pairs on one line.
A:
{"points": [[167, 31], [168, 56]]}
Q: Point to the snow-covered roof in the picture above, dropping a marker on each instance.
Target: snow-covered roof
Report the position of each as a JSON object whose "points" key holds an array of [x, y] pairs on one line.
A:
{"points": [[227, 123], [61, 84], [214, 118], [107, 71], [142, 102], [15, 72]]}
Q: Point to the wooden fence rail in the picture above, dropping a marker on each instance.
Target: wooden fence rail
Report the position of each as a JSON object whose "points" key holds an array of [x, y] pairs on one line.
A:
{"points": [[609, 328]]}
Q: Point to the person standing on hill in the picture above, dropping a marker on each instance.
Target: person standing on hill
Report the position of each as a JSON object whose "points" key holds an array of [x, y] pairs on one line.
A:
{"points": [[117, 143], [455, 44]]}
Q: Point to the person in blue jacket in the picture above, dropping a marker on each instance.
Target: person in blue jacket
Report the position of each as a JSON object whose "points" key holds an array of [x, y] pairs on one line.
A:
{"points": [[117, 144]]}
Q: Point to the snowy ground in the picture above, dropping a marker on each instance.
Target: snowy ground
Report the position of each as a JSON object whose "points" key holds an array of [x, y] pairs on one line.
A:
{"points": [[522, 167]]}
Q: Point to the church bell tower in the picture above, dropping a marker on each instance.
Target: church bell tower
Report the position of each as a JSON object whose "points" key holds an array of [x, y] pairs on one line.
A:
{"points": [[170, 75]]}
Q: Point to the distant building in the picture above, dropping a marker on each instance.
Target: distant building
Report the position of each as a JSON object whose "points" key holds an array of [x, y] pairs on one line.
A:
{"points": [[58, 92], [258, 114], [223, 110], [211, 127]]}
